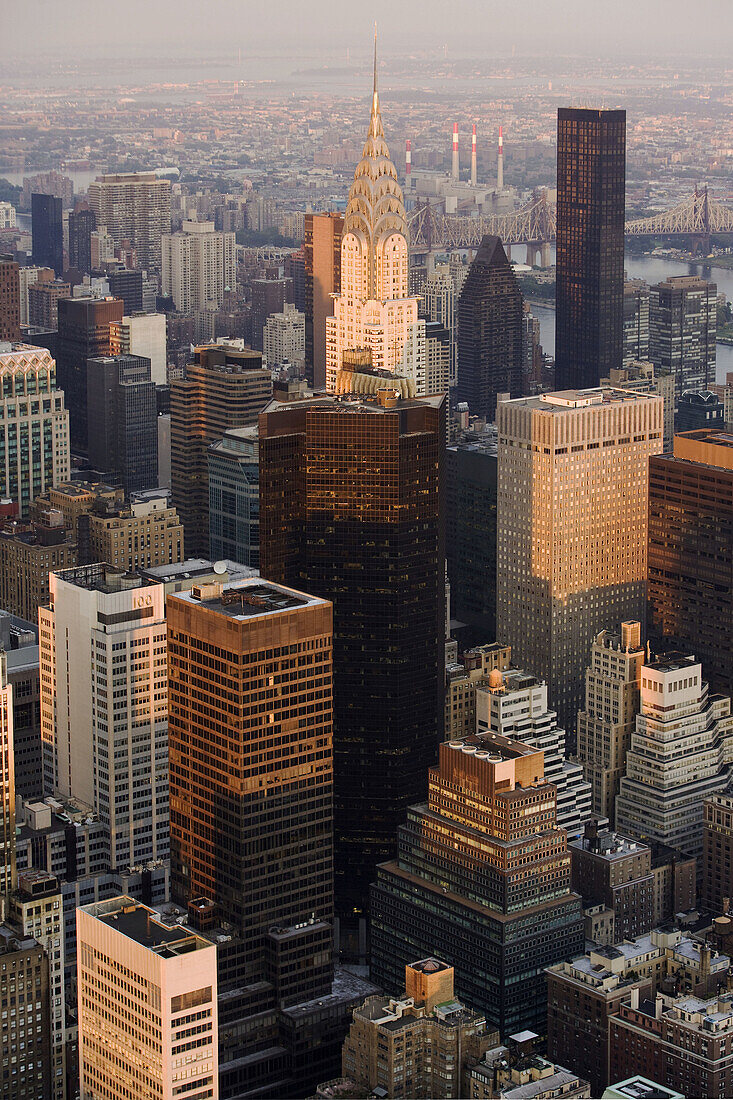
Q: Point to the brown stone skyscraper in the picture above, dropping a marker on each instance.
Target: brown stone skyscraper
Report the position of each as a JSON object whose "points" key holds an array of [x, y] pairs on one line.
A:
{"points": [[322, 247], [251, 755], [350, 508], [224, 388], [591, 195], [9, 299]]}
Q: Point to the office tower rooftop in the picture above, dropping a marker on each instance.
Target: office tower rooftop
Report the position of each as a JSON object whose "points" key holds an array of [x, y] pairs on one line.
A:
{"points": [[490, 812], [572, 500], [489, 331], [610, 870], [591, 189], [681, 751], [131, 1046], [605, 724], [338, 533]]}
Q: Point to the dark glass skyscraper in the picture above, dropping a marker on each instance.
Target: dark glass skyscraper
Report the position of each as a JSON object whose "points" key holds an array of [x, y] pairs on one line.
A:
{"points": [[82, 223], [48, 233], [83, 335], [123, 421], [489, 331], [591, 192], [350, 509]]}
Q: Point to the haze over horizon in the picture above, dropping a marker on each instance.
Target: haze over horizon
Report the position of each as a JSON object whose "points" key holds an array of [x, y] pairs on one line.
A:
{"points": [[466, 27]]}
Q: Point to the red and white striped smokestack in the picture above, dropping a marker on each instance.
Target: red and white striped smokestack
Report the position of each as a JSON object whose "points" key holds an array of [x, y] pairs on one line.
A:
{"points": [[408, 160], [500, 162], [454, 166], [473, 156]]}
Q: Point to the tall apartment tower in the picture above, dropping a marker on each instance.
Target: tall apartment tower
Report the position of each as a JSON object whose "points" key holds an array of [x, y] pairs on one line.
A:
{"points": [[82, 224], [681, 752], [591, 196], [9, 299], [374, 309], [716, 884], [484, 855], [514, 704], [34, 431], [224, 388], [440, 298], [322, 247], [159, 1038], [683, 329], [134, 206], [123, 421], [104, 719], [606, 723], [48, 232], [341, 533], [7, 788], [489, 331], [571, 527], [691, 550], [636, 321], [84, 333], [142, 334], [199, 264]]}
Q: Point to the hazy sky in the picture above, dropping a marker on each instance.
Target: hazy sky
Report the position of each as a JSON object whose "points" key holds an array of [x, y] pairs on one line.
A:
{"points": [[597, 27]]}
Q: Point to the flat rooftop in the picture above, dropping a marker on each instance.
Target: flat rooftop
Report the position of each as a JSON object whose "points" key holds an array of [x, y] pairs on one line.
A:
{"points": [[569, 401], [494, 745], [672, 662], [102, 577], [143, 925], [247, 599], [354, 403]]}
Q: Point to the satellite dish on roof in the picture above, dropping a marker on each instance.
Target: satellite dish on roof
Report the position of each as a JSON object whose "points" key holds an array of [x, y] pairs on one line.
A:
{"points": [[220, 567]]}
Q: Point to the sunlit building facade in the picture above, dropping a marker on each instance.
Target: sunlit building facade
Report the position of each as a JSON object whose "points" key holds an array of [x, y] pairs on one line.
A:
{"points": [[374, 309]]}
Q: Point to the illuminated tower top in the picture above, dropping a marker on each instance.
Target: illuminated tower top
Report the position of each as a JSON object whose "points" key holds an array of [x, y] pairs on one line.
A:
{"points": [[374, 240]]}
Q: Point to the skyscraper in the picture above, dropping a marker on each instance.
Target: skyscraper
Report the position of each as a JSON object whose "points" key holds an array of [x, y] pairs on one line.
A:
{"points": [[268, 296], [48, 233], [373, 309], [691, 550], [84, 333], [7, 787], [142, 334], [681, 752], [104, 720], [123, 421], [591, 195], [636, 321], [199, 264], [234, 497], [607, 720], [34, 426], [572, 502], [489, 331], [82, 224], [682, 330], [9, 299], [484, 856], [224, 388], [322, 247], [364, 529], [147, 994], [134, 206], [259, 870]]}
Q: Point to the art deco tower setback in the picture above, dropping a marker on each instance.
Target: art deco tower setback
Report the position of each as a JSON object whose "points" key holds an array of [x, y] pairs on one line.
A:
{"points": [[374, 309], [591, 190]]}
